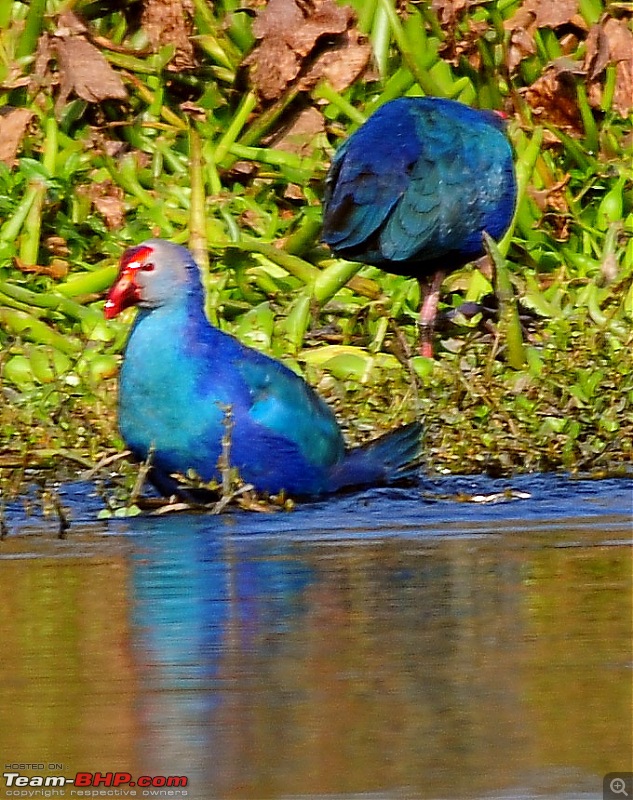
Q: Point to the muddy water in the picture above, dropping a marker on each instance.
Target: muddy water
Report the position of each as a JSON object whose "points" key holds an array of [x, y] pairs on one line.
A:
{"points": [[387, 645]]}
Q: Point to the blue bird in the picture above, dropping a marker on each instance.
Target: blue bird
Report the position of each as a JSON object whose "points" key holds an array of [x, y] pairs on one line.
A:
{"points": [[414, 188], [180, 374]]}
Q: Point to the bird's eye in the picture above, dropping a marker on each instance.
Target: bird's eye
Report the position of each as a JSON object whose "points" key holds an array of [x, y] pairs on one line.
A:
{"points": [[148, 266]]}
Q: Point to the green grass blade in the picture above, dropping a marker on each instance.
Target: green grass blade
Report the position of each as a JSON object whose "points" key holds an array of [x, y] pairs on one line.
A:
{"points": [[509, 322]]}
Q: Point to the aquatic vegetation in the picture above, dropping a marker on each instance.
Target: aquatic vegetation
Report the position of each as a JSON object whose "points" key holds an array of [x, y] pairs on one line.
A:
{"points": [[185, 133]]}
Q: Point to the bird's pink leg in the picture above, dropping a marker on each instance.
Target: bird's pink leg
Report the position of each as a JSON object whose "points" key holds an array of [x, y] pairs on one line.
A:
{"points": [[430, 298]]}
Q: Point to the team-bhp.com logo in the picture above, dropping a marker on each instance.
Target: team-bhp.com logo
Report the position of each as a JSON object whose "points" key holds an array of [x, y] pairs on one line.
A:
{"points": [[93, 784]]}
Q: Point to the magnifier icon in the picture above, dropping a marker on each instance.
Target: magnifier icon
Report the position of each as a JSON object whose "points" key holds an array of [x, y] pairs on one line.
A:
{"points": [[618, 786]]}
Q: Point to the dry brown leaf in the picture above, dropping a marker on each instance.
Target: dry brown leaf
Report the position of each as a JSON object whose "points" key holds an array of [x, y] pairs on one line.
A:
{"points": [[43, 55], [57, 269], [170, 22], [551, 197], [107, 199], [277, 16], [610, 41], [57, 246], [327, 19], [569, 43], [274, 66], [553, 202], [288, 34], [523, 19], [193, 110], [521, 45], [553, 98], [597, 54], [534, 14], [567, 66], [553, 15], [448, 11], [82, 67], [341, 65], [298, 26], [294, 192], [84, 71], [250, 219], [112, 210], [243, 170], [12, 129], [299, 136], [466, 45], [594, 93], [621, 49], [69, 24], [543, 14]]}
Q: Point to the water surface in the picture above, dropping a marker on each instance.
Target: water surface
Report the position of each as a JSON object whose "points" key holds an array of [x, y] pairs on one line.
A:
{"points": [[391, 644]]}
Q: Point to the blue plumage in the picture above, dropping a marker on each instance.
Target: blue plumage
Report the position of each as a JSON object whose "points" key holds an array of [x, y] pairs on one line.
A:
{"points": [[180, 375], [414, 188]]}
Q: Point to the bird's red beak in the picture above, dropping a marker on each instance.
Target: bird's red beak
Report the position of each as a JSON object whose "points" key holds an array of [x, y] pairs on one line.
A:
{"points": [[125, 292]]}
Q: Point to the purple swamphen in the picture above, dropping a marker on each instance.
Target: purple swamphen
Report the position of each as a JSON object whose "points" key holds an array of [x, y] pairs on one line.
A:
{"points": [[180, 374], [414, 188]]}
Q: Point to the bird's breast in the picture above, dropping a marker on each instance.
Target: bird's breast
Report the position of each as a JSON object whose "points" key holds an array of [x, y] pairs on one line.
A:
{"points": [[166, 394]]}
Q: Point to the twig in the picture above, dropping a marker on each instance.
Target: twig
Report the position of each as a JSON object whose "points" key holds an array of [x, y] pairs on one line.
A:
{"points": [[142, 475], [224, 461], [62, 515], [219, 507], [4, 528], [105, 462]]}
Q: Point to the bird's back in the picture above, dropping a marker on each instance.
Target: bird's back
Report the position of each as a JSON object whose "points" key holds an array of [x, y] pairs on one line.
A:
{"points": [[417, 184]]}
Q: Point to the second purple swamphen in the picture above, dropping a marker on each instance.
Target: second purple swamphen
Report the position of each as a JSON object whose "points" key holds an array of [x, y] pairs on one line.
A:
{"points": [[180, 374], [414, 188]]}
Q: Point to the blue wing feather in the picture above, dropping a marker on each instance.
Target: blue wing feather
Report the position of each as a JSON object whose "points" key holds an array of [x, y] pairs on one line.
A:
{"points": [[284, 404]]}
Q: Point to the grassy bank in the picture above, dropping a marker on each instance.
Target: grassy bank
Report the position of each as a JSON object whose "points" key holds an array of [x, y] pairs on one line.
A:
{"points": [[217, 129]]}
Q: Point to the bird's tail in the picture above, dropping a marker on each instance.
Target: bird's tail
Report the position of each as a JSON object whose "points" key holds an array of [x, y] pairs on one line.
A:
{"points": [[391, 458]]}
